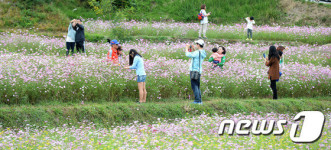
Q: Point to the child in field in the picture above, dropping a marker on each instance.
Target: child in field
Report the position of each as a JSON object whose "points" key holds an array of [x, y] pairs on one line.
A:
{"points": [[120, 54], [221, 57], [217, 57], [280, 50], [250, 22], [113, 52]]}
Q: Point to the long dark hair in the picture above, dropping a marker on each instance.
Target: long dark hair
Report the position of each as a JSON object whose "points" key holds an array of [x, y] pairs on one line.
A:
{"points": [[132, 57], [224, 51], [273, 53]]}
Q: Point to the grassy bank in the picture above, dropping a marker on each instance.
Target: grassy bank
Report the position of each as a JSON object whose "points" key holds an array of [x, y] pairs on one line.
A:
{"points": [[157, 36], [97, 30], [108, 113], [225, 11], [54, 15], [199, 132], [44, 14]]}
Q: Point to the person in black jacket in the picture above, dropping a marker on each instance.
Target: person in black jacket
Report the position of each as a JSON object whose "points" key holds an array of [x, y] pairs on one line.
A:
{"points": [[80, 36]]}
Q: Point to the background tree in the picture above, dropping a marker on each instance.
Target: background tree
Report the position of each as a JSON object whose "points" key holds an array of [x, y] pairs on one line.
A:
{"points": [[103, 7]]}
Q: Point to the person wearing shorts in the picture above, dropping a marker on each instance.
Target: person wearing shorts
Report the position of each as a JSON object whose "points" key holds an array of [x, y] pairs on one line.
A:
{"points": [[136, 62]]}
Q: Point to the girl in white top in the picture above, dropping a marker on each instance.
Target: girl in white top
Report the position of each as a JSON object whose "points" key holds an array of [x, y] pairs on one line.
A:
{"points": [[250, 22], [204, 21]]}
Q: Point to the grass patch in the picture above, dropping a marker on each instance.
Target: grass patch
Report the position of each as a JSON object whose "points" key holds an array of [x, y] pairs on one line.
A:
{"points": [[106, 114]]}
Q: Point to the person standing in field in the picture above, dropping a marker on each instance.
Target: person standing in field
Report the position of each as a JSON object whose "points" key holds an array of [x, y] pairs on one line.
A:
{"points": [[250, 22], [120, 54], [280, 50], [196, 68], [203, 22], [80, 36], [113, 52], [136, 62], [70, 40], [272, 61]]}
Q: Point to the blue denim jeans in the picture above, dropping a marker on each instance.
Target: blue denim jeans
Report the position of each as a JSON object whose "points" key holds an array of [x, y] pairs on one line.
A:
{"points": [[195, 84], [216, 62], [249, 33]]}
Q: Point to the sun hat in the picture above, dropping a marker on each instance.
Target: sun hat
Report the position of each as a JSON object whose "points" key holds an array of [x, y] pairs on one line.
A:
{"points": [[112, 42], [200, 42]]}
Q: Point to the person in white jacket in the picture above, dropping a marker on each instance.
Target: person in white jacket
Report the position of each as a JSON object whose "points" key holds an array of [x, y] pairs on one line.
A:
{"points": [[250, 22], [203, 22]]}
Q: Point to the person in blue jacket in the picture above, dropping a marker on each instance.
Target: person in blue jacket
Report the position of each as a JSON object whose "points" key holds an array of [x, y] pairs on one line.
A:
{"points": [[196, 65], [136, 62], [70, 40]]}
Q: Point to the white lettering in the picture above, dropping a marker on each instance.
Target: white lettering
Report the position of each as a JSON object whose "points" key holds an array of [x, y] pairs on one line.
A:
{"points": [[222, 126], [262, 129], [246, 124]]}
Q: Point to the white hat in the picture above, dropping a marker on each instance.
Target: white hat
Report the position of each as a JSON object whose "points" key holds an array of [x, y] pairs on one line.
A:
{"points": [[200, 42]]}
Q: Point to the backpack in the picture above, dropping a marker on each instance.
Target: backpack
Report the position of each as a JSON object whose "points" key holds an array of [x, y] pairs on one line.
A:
{"points": [[200, 16]]}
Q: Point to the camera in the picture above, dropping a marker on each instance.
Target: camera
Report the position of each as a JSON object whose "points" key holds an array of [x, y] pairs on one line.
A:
{"points": [[190, 49]]}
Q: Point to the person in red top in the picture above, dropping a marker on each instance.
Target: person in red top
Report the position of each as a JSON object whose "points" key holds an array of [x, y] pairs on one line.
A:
{"points": [[113, 52]]}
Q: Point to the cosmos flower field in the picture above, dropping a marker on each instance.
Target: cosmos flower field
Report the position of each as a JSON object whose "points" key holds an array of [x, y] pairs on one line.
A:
{"points": [[199, 132], [305, 34], [34, 70]]}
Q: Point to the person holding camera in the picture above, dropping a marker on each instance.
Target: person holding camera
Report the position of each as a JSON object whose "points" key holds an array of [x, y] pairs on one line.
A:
{"points": [[203, 22], [272, 61], [196, 67], [80, 35]]}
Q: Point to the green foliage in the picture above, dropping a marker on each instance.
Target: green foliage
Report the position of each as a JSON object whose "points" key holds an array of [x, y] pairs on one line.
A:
{"points": [[105, 114], [94, 37], [32, 12], [75, 11], [102, 7], [121, 34], [225, 11], [43, 13], [32, 3], [148, 32]]}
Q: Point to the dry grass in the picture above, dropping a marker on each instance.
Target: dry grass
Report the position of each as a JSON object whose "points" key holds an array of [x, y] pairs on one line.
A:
{"points": [[13, 17], [306, 13]]}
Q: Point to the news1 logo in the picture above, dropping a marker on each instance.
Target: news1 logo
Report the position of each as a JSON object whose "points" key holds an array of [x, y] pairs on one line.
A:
{"points": [[311, 129]]}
